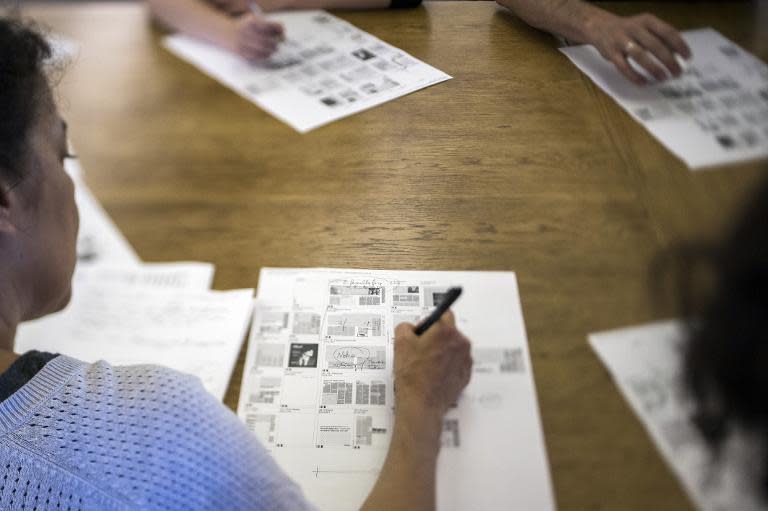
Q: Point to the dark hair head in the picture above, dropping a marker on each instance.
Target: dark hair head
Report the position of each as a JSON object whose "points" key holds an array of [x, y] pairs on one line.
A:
{"points": [[726, 364], [23, 52]]}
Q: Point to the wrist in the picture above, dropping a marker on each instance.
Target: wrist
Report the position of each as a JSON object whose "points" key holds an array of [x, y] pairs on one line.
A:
{"points": [[224, 33], [227, 35], [418, 425], [590, 23]]}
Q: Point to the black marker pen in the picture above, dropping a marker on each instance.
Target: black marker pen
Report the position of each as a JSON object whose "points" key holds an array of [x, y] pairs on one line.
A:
{"points": [[450, 296]]}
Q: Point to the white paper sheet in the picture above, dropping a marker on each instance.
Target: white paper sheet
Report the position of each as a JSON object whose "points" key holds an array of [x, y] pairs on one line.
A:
{"points": [[64, 51], [197, 332], [184, 276], [715, 113], [98, 240], [127, 312], [646, 363], [317, 387], [325, 70]]}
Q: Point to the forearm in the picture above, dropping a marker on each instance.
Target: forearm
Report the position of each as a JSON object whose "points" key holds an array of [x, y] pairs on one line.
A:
{"points": [[571, 19], [407, 478], [196, 18]]}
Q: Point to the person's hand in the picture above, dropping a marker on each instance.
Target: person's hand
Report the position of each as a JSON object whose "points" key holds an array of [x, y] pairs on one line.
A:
{"points": [[431, 370], [644, 38], [255, 38]]}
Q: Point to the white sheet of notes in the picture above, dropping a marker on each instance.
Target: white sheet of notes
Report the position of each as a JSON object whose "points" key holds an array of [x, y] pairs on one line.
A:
{"points": [[326, 69], [155, 314], [715, 113], [184, 276], [317, 387], [646, 364], [128, 312]]}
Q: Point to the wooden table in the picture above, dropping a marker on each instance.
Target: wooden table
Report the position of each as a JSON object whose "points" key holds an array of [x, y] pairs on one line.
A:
{"points": [[518, 163]]}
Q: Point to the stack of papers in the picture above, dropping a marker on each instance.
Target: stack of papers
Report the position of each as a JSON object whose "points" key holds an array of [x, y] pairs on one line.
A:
{"points": [[127, 312], [715, 113], [326, 69], [317, 387], [646, 363]]}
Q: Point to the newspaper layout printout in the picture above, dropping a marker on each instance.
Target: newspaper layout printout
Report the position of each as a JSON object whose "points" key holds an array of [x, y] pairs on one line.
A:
{"points": [[715, 113], [646, 363], [197, 332], [326, 69], [318, 393]]}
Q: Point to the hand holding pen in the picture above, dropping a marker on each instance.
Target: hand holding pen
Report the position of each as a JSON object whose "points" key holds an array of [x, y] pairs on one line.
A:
{"points": [[432, 363], [255, 37]]}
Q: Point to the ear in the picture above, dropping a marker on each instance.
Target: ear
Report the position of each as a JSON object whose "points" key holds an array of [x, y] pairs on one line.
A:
{"points": [[6, 203]]}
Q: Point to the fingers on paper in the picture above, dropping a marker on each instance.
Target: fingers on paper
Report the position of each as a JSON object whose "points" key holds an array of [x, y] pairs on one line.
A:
{"points": [[258, 47], [265, 28], [619, 59], [668, 35], [658, 50]]}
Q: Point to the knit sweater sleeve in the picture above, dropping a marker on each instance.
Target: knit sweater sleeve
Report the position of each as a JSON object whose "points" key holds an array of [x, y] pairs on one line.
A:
{"points": [[138, 437], [240, 463]]}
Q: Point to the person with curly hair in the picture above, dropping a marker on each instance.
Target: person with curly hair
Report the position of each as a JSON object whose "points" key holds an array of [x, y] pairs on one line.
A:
{"points": [[726, 354]]}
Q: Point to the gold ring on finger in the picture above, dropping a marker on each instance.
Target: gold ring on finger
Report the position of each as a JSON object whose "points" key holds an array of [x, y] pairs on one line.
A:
{"points": [[629, 47]]}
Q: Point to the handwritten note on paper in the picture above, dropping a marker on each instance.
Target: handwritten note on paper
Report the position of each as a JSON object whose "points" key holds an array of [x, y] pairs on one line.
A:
{"points": [[317, 387], [192, 331], [646, 363], [715, 113], [189, 276], [127, 312], [326, 69]]}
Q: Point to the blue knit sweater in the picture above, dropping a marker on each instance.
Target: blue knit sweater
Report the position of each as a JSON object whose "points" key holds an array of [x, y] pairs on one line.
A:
{"points": [[82, 436]]}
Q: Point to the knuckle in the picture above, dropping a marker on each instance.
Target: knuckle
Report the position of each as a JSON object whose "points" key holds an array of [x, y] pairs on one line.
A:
{"points": [[402, 329]]}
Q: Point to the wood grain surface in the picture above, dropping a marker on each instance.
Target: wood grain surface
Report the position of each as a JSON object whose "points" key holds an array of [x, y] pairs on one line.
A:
{"points": [[519, 163]]}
